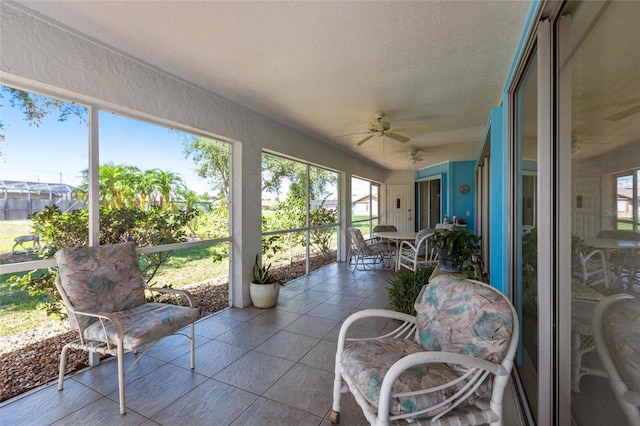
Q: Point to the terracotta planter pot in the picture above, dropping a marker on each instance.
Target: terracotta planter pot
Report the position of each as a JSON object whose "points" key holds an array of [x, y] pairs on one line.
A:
{"points": [[264, 295]]}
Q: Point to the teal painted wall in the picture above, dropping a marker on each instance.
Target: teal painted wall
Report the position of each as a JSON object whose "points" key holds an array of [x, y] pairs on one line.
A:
{"points": [[499, 220], [452, 175], [499, 207], [463, 205]]}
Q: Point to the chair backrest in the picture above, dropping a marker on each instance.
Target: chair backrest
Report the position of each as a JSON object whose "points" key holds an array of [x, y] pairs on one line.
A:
{"points": [[422, 249], [445, 226], [467, 317], [616, 333], [384, 228], [103, 278], [357, 240], [594, 268]]}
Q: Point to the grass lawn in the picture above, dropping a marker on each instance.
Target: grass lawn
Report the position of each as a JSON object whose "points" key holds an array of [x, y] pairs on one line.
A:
{"points": [[18, 310], [9, 229], [189, 266]]}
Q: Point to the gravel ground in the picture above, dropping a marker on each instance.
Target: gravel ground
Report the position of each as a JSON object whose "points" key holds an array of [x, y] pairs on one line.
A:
{"points": [[31, 358]]}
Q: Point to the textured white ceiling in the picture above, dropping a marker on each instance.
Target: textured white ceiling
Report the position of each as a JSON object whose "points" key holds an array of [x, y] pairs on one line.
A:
{"points": [[326, 68]]}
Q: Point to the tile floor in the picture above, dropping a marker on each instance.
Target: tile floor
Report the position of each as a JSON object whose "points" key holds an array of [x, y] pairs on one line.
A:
{"points": [[253, 366]]}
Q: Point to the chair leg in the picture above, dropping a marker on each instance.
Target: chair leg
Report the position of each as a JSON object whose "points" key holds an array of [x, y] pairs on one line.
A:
{"points": [[63, 364], [121, 376], [337, 387], [193, 347]]}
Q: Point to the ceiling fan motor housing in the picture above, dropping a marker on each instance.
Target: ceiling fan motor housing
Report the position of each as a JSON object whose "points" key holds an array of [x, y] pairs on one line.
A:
{"points": [[381, 126]]}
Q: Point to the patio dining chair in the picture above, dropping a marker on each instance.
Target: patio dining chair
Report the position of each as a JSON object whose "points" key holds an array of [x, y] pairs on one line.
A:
{"points": [[365, 252], [629, 274], [105, 295], [386, 228], [449, 364], [417, 254]]}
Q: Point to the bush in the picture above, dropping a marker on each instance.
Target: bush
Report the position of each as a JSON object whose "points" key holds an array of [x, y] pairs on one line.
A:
{"points": [[405, 287], [58, 230]]}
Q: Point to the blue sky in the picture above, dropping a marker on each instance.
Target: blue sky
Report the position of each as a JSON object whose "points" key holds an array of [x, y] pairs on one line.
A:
{"points": [[55, 149]]}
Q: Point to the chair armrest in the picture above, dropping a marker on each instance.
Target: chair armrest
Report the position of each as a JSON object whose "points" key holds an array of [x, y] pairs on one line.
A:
{"points": [[479, 369], [428, 357], [406, 329], [101, 316], [184, 293], [407, 244]]}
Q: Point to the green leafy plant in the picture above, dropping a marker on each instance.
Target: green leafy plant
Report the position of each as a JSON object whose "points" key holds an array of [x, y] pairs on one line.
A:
{"points": [[261, 273], [405, 287], [462, 246]]}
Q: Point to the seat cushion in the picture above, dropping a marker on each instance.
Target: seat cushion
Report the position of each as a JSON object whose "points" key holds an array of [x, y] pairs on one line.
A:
{"points": [[366, 363], [144, 324]]}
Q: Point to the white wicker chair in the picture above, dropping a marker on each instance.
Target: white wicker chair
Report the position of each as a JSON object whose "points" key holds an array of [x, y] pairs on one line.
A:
{"points": [[104, 293], [450, 364], [595, 269], [417, 254], [616, 333]]}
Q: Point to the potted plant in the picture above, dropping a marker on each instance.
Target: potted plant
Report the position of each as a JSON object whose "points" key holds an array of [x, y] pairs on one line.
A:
{"points": [[264, 288], [458, 250]]}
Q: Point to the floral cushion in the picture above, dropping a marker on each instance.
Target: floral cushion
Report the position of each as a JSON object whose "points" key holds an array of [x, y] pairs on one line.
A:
{"points": [[460, 316], [621, 324], [367, 362], [144, 324], [103, 279]]}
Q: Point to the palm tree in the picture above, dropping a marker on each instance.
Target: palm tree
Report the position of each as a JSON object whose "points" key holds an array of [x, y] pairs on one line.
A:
{"points": [[127, 186], [165, 185]]}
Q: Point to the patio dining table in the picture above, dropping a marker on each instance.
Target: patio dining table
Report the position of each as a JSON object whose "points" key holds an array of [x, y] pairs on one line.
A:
{"points": [[615, 251], [396, 236], [613, 244]]}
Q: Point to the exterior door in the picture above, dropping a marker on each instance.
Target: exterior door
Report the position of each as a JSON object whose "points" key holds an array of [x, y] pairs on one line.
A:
{"points": [[434, 203], [400, 210], [429, 203]]}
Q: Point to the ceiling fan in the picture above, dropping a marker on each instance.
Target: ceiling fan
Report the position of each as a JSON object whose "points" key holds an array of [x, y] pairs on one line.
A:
{"points": [[383, 128], [414, 156]]}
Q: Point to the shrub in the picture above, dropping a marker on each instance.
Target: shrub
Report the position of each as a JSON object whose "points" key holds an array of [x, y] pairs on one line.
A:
{"points": [[57, 230], [405, 287]]}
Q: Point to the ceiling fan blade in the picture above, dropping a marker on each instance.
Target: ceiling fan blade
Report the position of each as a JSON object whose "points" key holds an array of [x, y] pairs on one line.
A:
{"points": [[612, 104], [352, 134], [624, 114], [410, 129], [364, 140], [397, 137]]}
